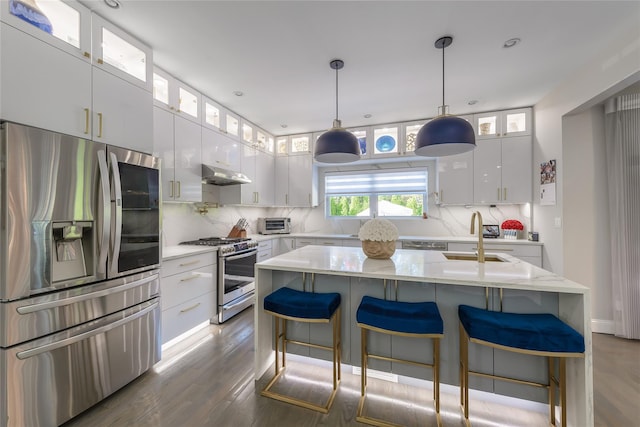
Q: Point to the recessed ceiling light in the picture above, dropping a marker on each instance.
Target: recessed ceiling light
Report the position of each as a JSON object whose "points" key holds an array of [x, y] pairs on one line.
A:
{"points": [[238, 93], [283, 126], [367, 116], [473, 102], [511, 42], [113, 4]]}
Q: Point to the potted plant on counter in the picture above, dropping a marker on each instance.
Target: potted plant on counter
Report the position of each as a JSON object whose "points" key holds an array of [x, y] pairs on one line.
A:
{"points": [[511, 229], [378, 238]]}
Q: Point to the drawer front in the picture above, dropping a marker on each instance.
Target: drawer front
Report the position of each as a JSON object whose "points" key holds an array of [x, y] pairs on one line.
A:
{"points": [[263, 255], [181, 287], [265, 244], [179, 319], [180, 265]]}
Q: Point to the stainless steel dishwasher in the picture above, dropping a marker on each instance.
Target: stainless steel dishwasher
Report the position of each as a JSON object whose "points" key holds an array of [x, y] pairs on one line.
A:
{"points": [[424, 246]]}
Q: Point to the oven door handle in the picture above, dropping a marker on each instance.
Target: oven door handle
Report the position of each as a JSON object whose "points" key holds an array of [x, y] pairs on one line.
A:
{"points": [[243, 300], [242, 255], [83, 336]]}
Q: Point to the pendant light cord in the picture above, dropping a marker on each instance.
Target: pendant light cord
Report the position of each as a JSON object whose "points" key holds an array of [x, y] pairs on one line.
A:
{"points": [[337, 94], [443, 48]]}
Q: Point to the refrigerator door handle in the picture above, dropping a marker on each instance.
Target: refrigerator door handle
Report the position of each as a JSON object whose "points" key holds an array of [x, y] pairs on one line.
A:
{"points": [[106, 211], [83, 336], [116, 221], [32, 308]]}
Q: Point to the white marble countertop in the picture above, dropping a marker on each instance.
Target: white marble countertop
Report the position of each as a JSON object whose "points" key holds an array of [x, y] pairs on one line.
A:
{"points": [[422, 266], [171, 252]]}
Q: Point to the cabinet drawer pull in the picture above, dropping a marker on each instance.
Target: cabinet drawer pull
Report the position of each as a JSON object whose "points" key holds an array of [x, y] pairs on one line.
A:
{"points": [[184, 264], [195, 276], [99, 125], [86, 121], [184, 310], [495, 249]]}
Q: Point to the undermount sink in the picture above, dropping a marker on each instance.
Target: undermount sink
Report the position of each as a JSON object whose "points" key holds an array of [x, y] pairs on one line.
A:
{"points": [[461, 256]]}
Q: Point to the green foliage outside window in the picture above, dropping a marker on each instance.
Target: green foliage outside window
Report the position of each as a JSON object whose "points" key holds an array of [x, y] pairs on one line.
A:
{"points": [[348, 205]]}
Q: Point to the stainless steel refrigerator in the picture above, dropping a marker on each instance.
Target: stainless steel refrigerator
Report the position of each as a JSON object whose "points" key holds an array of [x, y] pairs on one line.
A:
{"points": [[79, 279]]}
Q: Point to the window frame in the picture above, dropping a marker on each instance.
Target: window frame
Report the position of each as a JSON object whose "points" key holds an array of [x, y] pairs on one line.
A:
{"points": [[374, 195]]}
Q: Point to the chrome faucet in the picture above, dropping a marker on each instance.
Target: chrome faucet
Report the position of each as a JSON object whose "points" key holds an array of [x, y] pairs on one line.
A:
{"points": [[480, 244]]}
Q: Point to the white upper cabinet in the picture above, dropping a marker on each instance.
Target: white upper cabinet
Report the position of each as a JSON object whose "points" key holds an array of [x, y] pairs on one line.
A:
{"points": [[61, 107], [303, 181], [214, 115], [300, 144], [177, 141], [232, 124], [455, 179], [122, 113], [65, 25], [173, 95], [108, 102], [386, 141], [503, 123], [220, 150], [281, 181], [503, 170], [120, 54]]}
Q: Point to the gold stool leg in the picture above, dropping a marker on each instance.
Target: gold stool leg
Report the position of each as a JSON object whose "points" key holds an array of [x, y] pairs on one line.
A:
{"points": [[563, 390], [284, 342], [277, 336], [552, 390]]}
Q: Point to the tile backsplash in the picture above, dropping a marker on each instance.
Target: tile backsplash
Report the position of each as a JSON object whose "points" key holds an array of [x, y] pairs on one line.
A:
{"points": [[182, 221]]}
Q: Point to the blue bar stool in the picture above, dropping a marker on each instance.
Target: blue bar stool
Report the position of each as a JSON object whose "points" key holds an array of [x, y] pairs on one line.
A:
{"points": [[409, 319], [289, 304], [540, 334]]}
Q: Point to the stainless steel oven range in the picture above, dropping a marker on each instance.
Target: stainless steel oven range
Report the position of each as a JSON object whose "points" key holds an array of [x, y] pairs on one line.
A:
{"points": [[236, 277], [79, 283]]}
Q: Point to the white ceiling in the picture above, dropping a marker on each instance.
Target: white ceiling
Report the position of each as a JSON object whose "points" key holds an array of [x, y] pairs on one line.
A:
{"points": [[278, 53]]}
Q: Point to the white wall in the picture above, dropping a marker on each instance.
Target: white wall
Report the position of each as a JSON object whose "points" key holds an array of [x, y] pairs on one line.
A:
{"points": [[609, 72], [586, 233]]}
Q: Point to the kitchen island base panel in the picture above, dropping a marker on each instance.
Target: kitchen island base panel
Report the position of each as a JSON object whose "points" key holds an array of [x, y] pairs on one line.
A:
{"points": [[423, 273]]}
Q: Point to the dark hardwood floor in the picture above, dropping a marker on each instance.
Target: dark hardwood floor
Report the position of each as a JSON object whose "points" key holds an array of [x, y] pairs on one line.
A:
{"points": [[208, 381]]}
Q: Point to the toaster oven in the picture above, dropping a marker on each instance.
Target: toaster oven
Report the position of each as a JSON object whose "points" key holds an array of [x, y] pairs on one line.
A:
{"points": [[274, 225]]}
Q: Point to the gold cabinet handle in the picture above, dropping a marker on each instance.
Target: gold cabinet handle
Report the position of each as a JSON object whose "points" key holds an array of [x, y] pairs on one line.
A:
{"points": [[286, 199], [178, 192], [309, 199], [100, 61], [184, 310], [86, 121], [498, 193], [99, 125], [170, 188], [195, 276], [86, 55], [504, 193], [184, 264]]}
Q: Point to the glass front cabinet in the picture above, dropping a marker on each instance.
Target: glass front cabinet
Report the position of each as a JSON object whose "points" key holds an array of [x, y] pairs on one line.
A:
{"points": [[503, 123]]}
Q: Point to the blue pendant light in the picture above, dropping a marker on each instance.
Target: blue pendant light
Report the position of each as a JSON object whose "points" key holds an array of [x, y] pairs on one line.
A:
{"points": [[445, 135], [337, 145]]}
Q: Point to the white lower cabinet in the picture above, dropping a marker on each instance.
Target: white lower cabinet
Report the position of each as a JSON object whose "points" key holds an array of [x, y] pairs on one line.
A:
{"points": [[265, 250], [529, 253], [188, 295]]}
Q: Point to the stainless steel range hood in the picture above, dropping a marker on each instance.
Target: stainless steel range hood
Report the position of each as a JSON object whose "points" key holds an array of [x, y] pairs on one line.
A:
{"points": [[219, 176]]}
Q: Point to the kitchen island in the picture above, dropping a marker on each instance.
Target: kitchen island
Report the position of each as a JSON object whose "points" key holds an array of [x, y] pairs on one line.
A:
{"points": [[507, 283]]}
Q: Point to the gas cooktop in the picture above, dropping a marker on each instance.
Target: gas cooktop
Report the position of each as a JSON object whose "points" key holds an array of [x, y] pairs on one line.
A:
{"points": [[216, 241]]}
